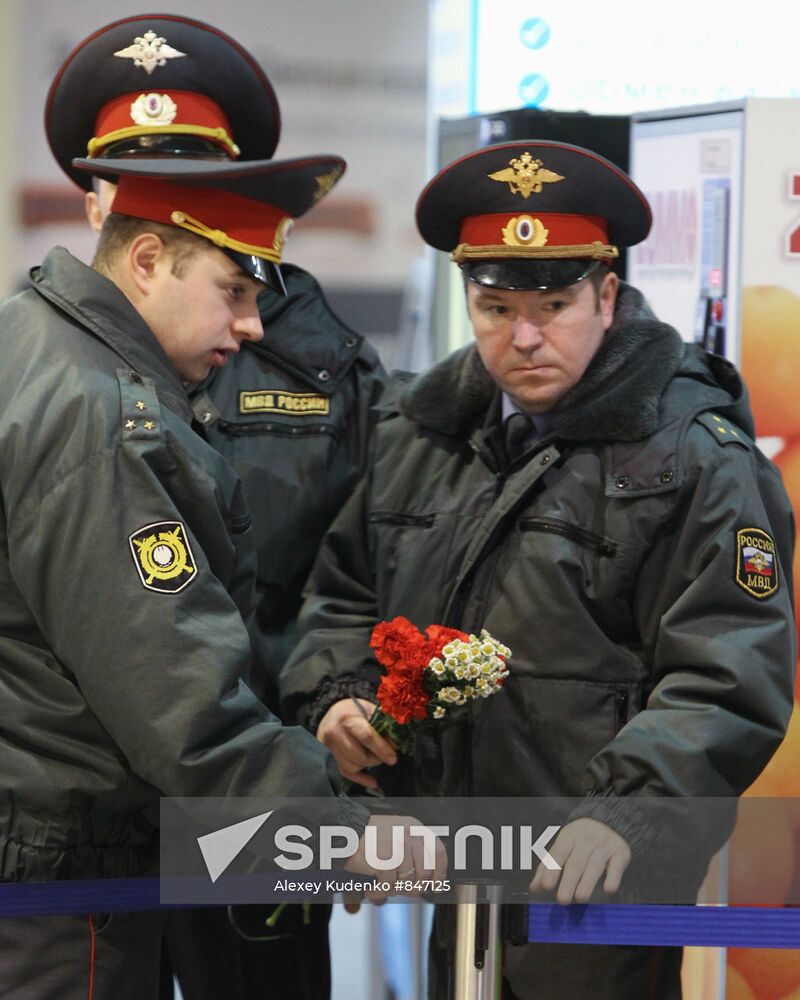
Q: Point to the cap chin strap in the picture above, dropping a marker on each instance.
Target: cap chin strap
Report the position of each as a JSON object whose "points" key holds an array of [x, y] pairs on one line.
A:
{"points": [[221, 239], [216, 135], [587, 251]]}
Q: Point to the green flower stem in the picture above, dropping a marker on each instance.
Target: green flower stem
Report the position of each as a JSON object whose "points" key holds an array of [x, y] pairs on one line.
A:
{"points": [[401, 737]]}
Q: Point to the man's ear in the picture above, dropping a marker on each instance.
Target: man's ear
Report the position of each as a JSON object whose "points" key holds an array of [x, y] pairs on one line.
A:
{"points": [[608, 298], [147, 258], [91, 205]]}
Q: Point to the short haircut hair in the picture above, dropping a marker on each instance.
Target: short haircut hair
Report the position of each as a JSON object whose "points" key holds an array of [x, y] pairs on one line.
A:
{"points": [[597, 277], [119, 231]]}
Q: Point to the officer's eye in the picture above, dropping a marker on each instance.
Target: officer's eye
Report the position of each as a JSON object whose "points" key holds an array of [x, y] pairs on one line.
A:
{"points": [[237, 292]]}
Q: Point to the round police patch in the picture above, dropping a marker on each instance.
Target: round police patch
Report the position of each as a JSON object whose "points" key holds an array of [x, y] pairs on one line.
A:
{"points": [[163, 557], [756, 562]]}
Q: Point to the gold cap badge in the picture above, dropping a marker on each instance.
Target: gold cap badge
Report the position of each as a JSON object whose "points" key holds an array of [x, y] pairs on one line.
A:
{"points": [[525, 176], [153, 109], [525, 231]]}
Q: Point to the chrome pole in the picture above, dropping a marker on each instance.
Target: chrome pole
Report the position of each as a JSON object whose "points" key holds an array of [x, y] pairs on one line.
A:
{"points": [[477, 951]]}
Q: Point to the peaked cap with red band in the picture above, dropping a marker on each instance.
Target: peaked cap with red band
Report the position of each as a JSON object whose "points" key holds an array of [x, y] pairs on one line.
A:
{"points": [[532, 215], [158, 83], [245, 209]]}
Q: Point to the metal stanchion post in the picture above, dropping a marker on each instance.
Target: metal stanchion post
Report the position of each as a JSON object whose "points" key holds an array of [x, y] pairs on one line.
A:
{"points": [[477, 947]]}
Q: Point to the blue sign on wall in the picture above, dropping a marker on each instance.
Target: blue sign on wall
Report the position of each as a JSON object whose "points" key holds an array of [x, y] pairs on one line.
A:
{"points": [[533, 90], [535, 33]]}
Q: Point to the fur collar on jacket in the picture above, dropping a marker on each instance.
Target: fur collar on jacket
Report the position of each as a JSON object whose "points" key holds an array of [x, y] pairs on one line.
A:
{"points": [[617, 399]]}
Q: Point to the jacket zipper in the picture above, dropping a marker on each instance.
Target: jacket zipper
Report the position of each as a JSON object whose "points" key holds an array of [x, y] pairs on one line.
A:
{"points": [[499, 483], [455, 618], [580, 535], [620, 709], [412, 520], [261, 427]]}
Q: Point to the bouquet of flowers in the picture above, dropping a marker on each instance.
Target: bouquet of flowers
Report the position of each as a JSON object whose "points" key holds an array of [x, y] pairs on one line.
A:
{"points": [[427, 675]]}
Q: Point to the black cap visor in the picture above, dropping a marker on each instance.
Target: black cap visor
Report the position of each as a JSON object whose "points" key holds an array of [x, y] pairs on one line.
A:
{"points": [[166, 144], [265, 271], [529, 275]]}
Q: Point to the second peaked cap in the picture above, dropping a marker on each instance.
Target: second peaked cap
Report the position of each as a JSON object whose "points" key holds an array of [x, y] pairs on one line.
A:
{"points": [[156, 74], [532, 214], [245, 209]]}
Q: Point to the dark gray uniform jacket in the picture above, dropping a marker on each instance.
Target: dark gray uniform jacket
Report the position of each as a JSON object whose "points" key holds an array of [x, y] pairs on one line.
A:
{"points": [[609, 558], [121, 651], [292, 414]]}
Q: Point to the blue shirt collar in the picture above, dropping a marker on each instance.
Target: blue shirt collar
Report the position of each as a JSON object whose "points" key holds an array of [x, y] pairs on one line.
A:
{"points": [[540, 422]]}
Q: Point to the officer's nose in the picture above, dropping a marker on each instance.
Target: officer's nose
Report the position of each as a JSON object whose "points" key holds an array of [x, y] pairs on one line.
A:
{"points": [[527, 333], [249, 327]]}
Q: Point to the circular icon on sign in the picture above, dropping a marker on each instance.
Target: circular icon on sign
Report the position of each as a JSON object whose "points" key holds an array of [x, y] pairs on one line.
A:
{"points": [[533, 90], [534, 33]]}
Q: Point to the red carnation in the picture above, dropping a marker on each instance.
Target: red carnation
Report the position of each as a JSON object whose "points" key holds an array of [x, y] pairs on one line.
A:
{"points": [[403, 698], [399, 646], [440, 635]]}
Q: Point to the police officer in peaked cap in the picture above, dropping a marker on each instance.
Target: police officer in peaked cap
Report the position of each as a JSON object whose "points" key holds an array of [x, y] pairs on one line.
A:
{"points": [[585, 485], [127, 563], [291, 414]]}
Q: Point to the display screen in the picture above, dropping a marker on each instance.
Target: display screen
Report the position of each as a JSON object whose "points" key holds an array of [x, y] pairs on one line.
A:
{"points": [[586, 56], [690, 169]]}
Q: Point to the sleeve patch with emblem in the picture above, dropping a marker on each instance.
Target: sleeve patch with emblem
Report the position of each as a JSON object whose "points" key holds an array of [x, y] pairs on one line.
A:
{"points": [[163, 557], [756, 563]]}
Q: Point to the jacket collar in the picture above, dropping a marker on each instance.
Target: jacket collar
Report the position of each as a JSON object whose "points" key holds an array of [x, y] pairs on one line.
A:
{"points": [[617, 399], [303, 334], [103, 310]]}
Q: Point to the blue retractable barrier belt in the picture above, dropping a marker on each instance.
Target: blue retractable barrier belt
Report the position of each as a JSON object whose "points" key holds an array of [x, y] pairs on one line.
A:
{"points": [[709, 926], [106, 895]]}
